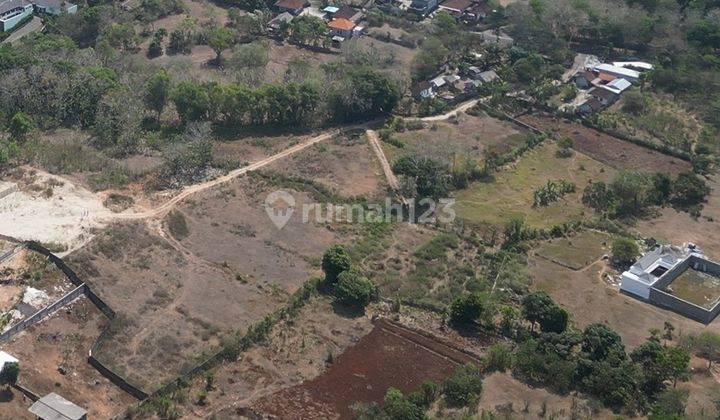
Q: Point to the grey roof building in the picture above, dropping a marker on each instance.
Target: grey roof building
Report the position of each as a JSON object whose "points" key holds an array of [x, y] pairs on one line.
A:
{"points": [[54, 407]]}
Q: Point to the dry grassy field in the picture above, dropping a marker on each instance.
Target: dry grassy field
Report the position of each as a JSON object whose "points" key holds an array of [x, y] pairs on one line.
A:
{"points": [[510, 192]]}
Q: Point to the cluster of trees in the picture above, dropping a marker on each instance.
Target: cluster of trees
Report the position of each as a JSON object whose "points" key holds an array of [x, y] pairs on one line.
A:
{"points": [[633, 192], [461, 389], [348, 285], [552, 191]]}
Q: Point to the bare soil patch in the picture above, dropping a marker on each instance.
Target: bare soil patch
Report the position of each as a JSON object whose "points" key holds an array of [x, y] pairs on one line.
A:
{"points": [[469, 138], [607, 149], [345, 164], [501, 390]]}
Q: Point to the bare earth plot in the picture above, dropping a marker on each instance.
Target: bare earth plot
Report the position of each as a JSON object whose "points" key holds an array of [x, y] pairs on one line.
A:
{"points": [[49, 209], [500, 389], [607, 149], [63, 341], [677, 227], [345, 164], [226, 267], [469, 137], [510, 193]]}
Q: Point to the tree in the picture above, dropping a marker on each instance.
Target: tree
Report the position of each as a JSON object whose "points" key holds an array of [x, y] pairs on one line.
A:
{"points": [[689, 189], [555, 320], [536, 306], [463, 386], [157, 91], [428, 178], [399, 407], [514, 232], [635, 103], [363, 93], [9, 374], [706, 345], [600, 341], [220, 39], [468, 308], [598, 196], [335, 260], [20, 126], [633, 190], [117, 123], [670, 405], [191, 101], [353, 289], [624, 252], [676, 362]]}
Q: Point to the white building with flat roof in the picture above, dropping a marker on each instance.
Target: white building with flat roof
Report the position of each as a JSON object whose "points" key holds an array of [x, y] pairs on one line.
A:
{"points": [[631, 76], [647, 270]]}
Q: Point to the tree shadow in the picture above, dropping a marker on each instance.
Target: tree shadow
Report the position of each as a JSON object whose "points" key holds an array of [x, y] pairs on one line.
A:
{"points": [[6, 395], [346, 311]]}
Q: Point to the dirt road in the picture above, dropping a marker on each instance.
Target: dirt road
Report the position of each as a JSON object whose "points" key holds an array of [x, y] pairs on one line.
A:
{"points": [[192, 189], [389, 175], [461, 108]]}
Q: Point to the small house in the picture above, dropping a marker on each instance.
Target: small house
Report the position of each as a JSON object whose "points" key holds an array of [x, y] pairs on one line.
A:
{"points": [[456, 7], [279, 21], [616, 72], [618, 86], [590, 106], [12, 12], [422, 90], [341, 28], [54, 407], [349, 13], [584, 79], [54, 7], [437, 82], [423, 7], [294, 7], [488, 76], [473, 72], [603, 95]]}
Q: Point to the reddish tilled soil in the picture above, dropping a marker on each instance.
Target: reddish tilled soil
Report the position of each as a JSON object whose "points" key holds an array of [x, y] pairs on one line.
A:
{"points": [[390, 356], [607, 149]]}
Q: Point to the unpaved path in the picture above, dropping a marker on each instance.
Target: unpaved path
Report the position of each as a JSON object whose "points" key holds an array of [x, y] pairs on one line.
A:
{"points": [[461, 108], [389, 175], [164, 208]]}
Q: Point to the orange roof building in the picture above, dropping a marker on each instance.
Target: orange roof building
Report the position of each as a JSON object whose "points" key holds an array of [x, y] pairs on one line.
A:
{"points": [[341, 24]]}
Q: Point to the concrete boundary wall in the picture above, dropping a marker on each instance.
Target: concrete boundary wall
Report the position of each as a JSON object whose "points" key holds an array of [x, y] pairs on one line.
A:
{"points": [[43, 313]]}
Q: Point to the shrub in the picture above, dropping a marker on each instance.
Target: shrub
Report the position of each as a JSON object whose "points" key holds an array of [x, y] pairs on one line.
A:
{"points": [[463, 387], [469, 308], [353, 289], [499, 358], [335, 260], [177, 225]]}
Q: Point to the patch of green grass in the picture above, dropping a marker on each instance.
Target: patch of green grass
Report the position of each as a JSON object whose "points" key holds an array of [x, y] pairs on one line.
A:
{"points": [[576, 251], [510, 193]]}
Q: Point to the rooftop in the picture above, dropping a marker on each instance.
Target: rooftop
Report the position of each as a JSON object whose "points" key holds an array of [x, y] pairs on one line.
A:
{"points": [[609, 68], [602, 93], [345, 12], [291, 4], [341, 24], [8, 5], [54, 407], [457, 5]]}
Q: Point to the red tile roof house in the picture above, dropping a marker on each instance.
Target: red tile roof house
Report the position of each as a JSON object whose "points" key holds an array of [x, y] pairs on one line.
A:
{"points": [[294, 7], [341, 27]]}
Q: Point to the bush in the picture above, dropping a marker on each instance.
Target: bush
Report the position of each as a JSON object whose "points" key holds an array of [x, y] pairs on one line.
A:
{"points": [[335, 260], [353, 289], [499, 358], [463, 387], [467, 309], [624, 252]]}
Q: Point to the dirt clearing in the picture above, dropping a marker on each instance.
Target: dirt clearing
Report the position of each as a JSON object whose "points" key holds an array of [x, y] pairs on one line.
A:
{"points": [[607, 149], [49, 209]]}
